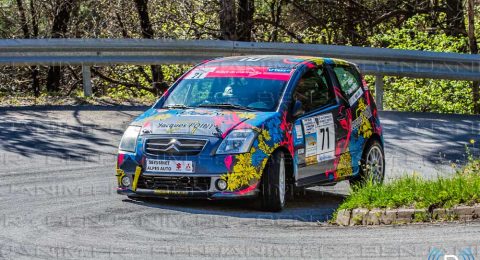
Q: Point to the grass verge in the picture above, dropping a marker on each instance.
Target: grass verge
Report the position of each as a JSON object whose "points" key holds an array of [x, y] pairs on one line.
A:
{"points": [[415, 192]]}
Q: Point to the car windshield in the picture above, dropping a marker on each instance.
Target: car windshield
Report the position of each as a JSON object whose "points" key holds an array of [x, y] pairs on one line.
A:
{"points": [[236, 92]]}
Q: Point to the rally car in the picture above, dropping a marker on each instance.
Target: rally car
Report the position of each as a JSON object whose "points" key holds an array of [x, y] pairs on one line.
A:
{"points": [[254, 126]]}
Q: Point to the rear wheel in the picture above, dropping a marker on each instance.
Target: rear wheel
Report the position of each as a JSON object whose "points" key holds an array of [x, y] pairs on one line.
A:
{"points": [[273, 183], [372, 165]]}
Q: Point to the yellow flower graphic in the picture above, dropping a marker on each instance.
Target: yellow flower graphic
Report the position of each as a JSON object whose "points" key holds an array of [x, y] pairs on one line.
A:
{"points": [[243, 171], [120, 174], [365, 127], [161, 117], [246, 115], [262, 145], [344, 167]]}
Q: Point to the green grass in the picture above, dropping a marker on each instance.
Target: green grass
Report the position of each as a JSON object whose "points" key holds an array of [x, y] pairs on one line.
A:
{"points": [[415, 192]]}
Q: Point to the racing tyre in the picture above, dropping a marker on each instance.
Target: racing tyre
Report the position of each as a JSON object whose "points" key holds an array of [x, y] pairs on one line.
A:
{"points": [[372, 165], [273, 185]]}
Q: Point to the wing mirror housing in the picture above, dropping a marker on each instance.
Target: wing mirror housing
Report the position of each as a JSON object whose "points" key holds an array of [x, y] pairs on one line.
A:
{"points": [[297, 110]]}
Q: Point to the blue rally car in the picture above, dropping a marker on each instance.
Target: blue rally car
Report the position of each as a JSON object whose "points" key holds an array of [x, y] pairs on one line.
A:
{"points": [[249, 126]]}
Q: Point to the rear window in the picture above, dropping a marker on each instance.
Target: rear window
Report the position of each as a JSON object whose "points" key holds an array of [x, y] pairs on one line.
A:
{"points": [[350, 82]]}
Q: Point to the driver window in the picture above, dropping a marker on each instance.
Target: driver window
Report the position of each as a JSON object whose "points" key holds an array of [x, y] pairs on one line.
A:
{"points": [[313, 90]]}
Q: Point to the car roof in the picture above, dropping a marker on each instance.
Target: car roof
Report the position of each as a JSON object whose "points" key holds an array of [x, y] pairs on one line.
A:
{"points": [[282, 61]]}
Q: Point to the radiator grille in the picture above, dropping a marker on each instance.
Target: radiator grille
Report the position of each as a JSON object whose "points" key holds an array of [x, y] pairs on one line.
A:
{"points": [[174, 183], [174, 146]]}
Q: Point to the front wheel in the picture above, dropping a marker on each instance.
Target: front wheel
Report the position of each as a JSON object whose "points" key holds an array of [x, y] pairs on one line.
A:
{"points": [[372, 166], [273, 183]]}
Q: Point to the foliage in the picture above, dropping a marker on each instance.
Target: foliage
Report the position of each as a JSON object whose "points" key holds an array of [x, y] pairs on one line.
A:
{"points": [[424, 95], [424, 25]]}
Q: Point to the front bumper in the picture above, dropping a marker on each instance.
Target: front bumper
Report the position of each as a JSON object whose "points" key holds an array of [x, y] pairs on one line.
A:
{"points": [[187, 194], [206, 164], [138, 186]]}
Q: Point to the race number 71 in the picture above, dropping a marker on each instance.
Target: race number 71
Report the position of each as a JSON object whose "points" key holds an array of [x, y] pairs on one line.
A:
{"points": [[325, 131]]}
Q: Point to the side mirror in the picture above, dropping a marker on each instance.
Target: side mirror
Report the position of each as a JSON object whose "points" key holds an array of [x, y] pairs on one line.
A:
{"points": [[297, 110]]}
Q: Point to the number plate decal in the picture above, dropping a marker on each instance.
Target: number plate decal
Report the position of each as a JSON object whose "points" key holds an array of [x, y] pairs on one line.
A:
{"points": [[153, 165], [319, 138]]}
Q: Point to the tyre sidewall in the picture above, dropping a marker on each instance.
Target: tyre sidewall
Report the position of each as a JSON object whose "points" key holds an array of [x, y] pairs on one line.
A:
{"points": [[271, 196], [361, 178], [372, 143]]}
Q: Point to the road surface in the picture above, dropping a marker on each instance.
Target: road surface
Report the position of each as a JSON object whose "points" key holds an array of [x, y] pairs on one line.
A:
{"points": [[58, 200]]}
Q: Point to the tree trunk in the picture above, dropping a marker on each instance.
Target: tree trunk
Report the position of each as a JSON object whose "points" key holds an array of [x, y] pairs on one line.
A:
{"points": [[145, 25], [26, 35], [474, 50], [35, 81], [147, 33], [23, 19], [33, 15], [59, 29], [246, 9], [455, 18], [228, 23], [122, 26]]}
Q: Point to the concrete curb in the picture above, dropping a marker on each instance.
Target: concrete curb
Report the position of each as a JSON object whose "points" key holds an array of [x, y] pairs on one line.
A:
{"points": [[362, 216]]}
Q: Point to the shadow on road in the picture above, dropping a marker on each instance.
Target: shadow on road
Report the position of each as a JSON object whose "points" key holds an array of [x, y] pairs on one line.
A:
{"points": [[311, 206], [429, 137], [65, 135]]}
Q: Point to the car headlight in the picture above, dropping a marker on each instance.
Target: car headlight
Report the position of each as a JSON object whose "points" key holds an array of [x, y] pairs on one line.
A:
{"points": [[129, 139], [238, 141]]}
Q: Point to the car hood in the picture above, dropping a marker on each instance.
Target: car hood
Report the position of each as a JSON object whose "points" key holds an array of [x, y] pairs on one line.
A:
{"points": [[198, 121]]}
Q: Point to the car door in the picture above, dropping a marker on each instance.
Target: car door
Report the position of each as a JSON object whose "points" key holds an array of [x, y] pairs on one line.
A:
{"points": [[350, 95], [316, 131]]}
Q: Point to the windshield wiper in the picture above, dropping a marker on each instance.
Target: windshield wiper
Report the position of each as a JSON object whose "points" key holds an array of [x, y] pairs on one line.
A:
{"points": [[227, 105], [176, 106]]}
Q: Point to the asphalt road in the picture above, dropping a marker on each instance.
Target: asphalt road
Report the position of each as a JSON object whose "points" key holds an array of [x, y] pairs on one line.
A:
{"points": [[58, 200]]}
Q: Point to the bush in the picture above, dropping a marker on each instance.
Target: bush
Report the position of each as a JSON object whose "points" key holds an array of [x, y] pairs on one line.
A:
{"points": [[424, 95]]}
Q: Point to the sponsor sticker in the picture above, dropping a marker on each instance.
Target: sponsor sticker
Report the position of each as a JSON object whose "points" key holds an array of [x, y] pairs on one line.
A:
{"points": [[309, 125], [170, 192], [325, 157], [367, 113], [355, 97], [298, 131], [186, 125], [279, 70], [199, 73], [154, 165], [252, 59], [310, 145]]}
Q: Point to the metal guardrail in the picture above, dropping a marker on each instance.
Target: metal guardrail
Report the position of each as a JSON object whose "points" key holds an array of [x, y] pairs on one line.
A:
{"points": [[374, 61]]}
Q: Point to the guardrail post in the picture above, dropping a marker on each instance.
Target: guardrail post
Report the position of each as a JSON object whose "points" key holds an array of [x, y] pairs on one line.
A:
{"points": [[379, 91], [87, 81]]}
